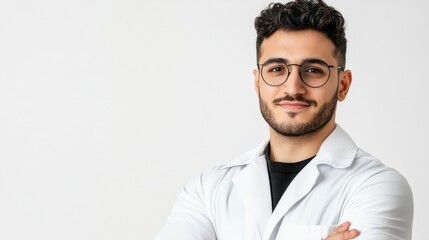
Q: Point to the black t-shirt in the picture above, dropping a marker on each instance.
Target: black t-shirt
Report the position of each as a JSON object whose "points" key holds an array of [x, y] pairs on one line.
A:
{"points": [[281, 175]]}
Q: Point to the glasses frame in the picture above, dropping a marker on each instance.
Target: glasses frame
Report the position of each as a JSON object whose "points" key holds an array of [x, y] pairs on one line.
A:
{"points": [[289, 70]]}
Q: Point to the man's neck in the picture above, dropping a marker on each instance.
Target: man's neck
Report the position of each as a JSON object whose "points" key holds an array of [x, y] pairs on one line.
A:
{"points": [[295, 149]]}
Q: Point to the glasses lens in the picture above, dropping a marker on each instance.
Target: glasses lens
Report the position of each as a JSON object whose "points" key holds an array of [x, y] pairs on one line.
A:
{"points": [[314, 74], [274, 73]]}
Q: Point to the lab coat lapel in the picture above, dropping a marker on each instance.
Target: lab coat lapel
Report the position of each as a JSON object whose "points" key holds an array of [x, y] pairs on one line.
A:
{"points": [[253, 186], [299, 188]]}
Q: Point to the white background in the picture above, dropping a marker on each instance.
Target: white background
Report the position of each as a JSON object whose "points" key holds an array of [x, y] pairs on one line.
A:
{"points": [[107, 108]]}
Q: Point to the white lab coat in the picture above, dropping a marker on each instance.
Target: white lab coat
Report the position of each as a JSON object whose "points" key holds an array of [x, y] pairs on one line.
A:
{"points": [[342, 183]]}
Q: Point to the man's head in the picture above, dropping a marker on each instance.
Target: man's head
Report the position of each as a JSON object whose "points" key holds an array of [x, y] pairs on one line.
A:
{"points": [[300, 76], [302, 15]]}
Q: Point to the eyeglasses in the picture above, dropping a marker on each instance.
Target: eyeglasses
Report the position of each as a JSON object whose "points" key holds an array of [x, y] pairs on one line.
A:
{"points": [[313, 72]]}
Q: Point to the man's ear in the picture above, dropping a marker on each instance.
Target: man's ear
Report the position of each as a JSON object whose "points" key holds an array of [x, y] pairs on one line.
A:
{"points": [[344, 84], [256, 80]]}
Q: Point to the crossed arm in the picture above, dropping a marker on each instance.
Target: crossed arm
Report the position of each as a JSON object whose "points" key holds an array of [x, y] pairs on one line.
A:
{"points": [[380, 207]]}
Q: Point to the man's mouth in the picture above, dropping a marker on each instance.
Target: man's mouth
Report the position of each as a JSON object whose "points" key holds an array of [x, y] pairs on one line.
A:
{"points": [[293, 105]]}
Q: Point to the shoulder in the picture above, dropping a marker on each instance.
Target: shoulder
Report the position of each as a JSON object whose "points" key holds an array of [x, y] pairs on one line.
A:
{"points": [[221, 176], [373, 170], [366, 171], [379, 196]]}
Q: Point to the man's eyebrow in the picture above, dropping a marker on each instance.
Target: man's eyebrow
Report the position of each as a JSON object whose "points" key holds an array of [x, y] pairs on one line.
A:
{"points": [[313, 60], [275, 60], [282, 60]]}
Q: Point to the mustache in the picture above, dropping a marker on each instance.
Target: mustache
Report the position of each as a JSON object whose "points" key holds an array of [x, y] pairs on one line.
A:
{"points": [[297, 98]]}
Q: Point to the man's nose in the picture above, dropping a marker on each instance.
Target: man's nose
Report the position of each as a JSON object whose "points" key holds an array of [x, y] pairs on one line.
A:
{"points": [[294, 84]]}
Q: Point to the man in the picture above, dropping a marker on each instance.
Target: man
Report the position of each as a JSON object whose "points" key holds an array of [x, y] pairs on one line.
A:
{"points": [[310, 176]]}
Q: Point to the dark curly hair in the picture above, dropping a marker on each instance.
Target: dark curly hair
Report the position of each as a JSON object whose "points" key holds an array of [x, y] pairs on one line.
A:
{"points": [[302, 15]]}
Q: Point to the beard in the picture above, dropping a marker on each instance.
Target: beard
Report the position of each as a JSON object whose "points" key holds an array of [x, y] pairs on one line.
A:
{"points": [[288, 129]]}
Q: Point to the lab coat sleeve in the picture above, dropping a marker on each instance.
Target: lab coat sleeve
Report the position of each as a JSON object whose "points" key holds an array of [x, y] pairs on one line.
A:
{"points": [[381, 207], [189, 219]]}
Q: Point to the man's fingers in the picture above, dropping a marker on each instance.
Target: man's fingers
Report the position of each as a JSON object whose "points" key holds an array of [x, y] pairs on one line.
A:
{"points": [[342, 232], [343, 227], [351, 234]]}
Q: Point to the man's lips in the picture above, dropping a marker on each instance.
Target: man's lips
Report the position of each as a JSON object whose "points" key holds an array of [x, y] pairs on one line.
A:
{"points": [[293, 105]]}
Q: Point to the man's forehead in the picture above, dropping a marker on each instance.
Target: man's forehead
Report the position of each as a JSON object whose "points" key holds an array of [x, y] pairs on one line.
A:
{"points": [[297, 45]]}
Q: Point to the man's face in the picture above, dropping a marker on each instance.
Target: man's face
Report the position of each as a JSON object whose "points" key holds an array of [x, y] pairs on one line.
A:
{"points": [[293, 108]]}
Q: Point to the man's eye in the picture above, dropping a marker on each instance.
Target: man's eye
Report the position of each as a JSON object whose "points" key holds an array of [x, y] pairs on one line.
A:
{"points": [[276, 69], [314, 70]]}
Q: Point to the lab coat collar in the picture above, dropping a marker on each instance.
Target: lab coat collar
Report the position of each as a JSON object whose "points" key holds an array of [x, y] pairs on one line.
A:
{"points": [[338, 150], [249, 156]]}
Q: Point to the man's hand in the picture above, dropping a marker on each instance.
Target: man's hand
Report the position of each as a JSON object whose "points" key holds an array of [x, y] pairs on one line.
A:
{"points": [[343, 232]]}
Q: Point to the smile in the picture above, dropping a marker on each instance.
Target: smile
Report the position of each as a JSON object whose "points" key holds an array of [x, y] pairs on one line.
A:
{"points": [[294, 106]]}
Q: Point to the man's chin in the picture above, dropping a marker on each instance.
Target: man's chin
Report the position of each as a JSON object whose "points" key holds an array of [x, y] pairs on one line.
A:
{"points": [[293, 130]]}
